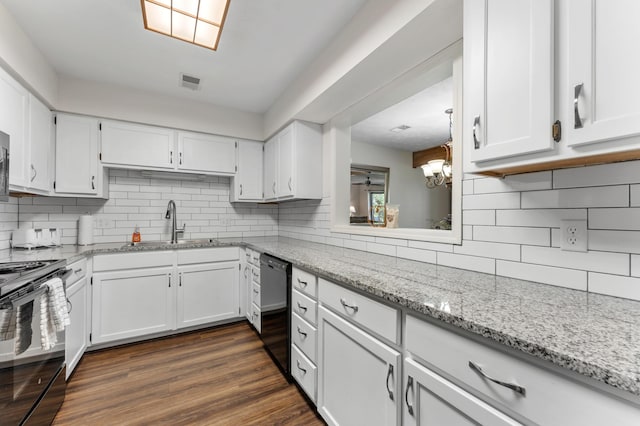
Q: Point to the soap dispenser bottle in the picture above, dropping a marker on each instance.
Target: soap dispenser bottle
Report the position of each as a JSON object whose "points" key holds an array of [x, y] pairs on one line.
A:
{"points": [[135, 237]]}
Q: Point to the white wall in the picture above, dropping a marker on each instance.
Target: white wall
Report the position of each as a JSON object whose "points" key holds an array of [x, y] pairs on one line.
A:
{"points": [[135, 200], [123, 103], [419, 207], [20, 57]]}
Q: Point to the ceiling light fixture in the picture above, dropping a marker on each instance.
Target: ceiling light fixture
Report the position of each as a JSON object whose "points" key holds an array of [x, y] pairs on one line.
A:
{"points": [[438, 172], [400, 128], [195, 21]]}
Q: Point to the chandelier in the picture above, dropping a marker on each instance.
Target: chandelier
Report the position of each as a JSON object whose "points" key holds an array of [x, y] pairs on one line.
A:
{"points": [[438, 172]]}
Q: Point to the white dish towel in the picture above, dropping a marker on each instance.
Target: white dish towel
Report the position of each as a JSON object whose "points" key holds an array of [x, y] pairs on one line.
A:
{"points": [[53, 313]]}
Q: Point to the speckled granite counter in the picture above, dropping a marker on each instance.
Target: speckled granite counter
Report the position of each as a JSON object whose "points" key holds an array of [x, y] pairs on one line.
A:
{"points": [[597, 336]]}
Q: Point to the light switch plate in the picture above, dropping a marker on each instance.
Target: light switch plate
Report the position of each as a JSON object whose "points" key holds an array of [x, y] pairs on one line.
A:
{"points": [[574, 235]]}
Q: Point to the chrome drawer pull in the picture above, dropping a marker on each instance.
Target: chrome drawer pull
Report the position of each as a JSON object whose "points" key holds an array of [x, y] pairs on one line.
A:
{"points": [[476, 122], [302, 333], [302, 283], [406, 394], [77, 271], [346, 305], [513, 387], [301, 307], [304, 370], [577, 121], [255, 291], [69, 306], [389, 374]]}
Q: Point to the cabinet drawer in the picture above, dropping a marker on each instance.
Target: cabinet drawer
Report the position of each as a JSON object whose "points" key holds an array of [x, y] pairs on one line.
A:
{"points": [[256, 318], [79, 270], [375, 316], [304, 306], [305, 282], [255, 274], [247, 255], [255, 257], [304, 371], [548, 397], [303, 335], [207, 255], [147, 259], [255, 294]]}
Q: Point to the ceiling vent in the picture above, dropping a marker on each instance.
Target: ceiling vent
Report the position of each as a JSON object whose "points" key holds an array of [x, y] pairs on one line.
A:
{"points": [[189, 81]]}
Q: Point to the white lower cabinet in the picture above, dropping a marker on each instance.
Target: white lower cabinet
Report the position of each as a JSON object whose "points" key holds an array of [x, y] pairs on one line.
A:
{"points": [[430, 399], [358, 375], [77, 332], [207, 293], [132, 303]]}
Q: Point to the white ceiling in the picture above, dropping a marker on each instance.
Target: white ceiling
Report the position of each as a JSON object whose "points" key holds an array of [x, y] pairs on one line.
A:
{"points": [[264, 46], [423, 112]]}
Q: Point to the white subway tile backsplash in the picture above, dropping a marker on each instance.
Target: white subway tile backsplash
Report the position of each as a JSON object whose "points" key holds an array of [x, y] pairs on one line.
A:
{"points": [[596, 261], [513, 235], [619, 218], [599, 175], [381, 249], [635, 265], [479, 217], [420, 255], [562, 277], [486, 249], [355, 245], [603, 196], [425, 245], [462, 261], [392, 241], [613, 285], [507, 200], [550, 218], [467, 187], [616, 241], [524, 182]]}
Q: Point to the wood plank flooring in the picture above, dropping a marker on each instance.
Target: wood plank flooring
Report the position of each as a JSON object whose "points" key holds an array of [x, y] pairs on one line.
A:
{"points": [[219, 376]]}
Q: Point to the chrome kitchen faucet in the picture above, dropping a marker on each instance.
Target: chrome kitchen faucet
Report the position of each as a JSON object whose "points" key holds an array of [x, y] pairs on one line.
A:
{"points": [[171, 214]]}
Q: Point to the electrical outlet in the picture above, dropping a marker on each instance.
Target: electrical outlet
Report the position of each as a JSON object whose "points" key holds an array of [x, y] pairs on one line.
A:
{"points": [[574, 235]]}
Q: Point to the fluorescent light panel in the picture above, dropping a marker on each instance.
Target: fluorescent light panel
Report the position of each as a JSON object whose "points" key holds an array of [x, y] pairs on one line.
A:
{"points": [[195, 21]]}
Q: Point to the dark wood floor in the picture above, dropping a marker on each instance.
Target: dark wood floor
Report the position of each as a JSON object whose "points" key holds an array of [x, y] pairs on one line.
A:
{"points": [[218, 376]]}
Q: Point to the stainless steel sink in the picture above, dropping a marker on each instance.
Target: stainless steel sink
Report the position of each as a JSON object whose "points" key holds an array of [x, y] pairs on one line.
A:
{"points": [[169, 243]]}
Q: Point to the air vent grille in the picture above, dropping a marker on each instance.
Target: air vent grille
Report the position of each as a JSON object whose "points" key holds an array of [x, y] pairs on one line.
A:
{"points": [[189, 81]]}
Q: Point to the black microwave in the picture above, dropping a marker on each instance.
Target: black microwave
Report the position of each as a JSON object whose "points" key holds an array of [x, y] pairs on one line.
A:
{"points": [[4, 166]]}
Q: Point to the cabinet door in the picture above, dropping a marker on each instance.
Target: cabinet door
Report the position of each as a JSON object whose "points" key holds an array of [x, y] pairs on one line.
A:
{"points": [[248, 181], [508, 77], [207, 293], [76, 331], [270, 168], [603, 95], [358, 376], [134, 145], [206, 153], [40, 120], [132, 303], [432, 400], [286, 156], [13, 121], [76, 155]]}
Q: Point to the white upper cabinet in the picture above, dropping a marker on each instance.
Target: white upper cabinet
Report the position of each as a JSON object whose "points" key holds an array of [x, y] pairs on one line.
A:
{"points": [[293, 163], [78, 171], [40, 146], [247, 184], [14, 104], [199, 152], [508, 77], [137, 146], [602, 96]]}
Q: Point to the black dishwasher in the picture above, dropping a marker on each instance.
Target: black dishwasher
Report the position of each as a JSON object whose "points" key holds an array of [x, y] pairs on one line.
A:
{"points": [[275, 295]]}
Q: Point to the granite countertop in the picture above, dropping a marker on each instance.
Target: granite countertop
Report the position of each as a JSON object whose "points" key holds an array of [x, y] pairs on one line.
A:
{"points": [[594, 335]]}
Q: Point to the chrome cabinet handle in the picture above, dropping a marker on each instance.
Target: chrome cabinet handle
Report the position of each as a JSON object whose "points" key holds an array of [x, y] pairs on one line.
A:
{"points": [[274, 187], [246, 271], [346, 305], [180, 158], [240, 189], [476, 123], [302, 283], [301, 307], [406, 394], [255, 315], [513, 387], [389, 374], [255, 291], [169, 280], [77, 271], [290, 187], [180, 280], [300, 332], [69, 306], [304, 370], [577, 121], [35, 173], [170, 157], [93, 182]]}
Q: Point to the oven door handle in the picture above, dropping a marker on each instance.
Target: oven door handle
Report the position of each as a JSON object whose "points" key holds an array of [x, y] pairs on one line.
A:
{"points": [[66, 275], [32, 295]]}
